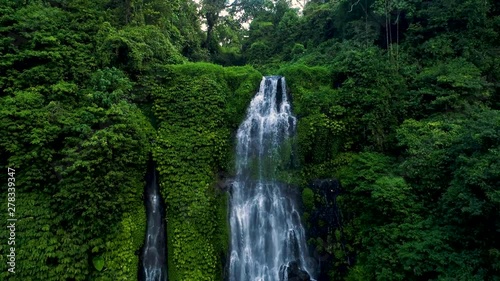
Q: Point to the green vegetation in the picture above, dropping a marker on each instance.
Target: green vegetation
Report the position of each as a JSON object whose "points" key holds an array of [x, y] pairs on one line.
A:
{"points": [[399, 100], [197, 105]]}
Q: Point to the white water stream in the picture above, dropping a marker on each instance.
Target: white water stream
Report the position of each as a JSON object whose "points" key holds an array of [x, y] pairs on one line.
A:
{"points": [[266, 233]]}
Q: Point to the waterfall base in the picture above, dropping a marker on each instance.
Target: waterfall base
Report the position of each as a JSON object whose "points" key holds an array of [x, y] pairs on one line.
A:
{"points": [[294, 273]]}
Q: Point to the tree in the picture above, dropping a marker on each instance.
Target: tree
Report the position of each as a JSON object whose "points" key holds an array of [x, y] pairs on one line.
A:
{"points": [[211, 10]]}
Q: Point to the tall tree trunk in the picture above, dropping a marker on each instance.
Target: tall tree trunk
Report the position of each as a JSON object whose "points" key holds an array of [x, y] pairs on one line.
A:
{"points": [[211, 20]]}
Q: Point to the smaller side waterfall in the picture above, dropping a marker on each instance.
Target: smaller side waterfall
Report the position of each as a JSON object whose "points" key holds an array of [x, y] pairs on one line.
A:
{"points": [[154, 266]]}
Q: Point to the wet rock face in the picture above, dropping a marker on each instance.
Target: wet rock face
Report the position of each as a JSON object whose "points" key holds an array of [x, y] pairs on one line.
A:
{"points": [[327, 210], [329, 188], [295, 273], [224, 182], [324, 219], [225, 185]]}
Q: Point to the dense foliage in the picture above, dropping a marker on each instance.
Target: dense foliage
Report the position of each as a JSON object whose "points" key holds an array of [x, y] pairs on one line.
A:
{"points": [[73, 130], [197, 107], [398, 99]]}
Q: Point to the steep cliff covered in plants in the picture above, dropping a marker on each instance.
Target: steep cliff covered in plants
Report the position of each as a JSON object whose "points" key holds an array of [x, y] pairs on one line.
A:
{"points": [[197, 107]]}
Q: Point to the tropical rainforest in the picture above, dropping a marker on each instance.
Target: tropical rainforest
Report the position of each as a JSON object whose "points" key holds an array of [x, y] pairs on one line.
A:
{"points": [[398, 106]]}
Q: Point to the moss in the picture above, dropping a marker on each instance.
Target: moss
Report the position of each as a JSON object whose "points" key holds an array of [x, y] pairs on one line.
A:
{"points": [[300, 75], [222, 213], [243, 83], [308, 198], [120, 251], [172, 271]]}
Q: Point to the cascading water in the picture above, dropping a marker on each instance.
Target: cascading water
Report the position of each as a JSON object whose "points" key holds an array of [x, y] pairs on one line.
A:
{"points": [[153, 253], [267, 238]]}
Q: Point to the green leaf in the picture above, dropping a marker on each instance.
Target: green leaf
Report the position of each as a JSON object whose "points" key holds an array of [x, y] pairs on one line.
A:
{"points": [[98, 262]]}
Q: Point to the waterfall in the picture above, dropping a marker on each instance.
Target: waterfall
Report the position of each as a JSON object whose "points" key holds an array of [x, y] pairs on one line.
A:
{"points": [[267, 238], [153, 253]]}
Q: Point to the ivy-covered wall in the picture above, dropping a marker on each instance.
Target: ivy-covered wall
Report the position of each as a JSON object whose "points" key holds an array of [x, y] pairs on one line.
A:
{"points": [[79, 170], [197, 107]]}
